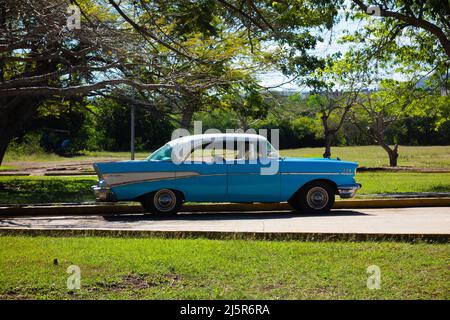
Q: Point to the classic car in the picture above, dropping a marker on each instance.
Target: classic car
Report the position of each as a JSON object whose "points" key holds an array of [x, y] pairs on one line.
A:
{"points": [[225, 168]]}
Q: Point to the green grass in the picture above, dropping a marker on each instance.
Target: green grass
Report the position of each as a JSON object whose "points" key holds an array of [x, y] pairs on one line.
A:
{"points": [[151, 268], [375, 156], [416, 156], [7, 168], [43, 189], [393, 182]]}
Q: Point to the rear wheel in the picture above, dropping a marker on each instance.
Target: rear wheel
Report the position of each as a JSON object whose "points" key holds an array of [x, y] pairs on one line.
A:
{"points": [[315, 197], [164, 201]]}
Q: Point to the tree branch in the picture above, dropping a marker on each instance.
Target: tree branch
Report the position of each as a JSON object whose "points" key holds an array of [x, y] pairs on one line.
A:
{"points": [[415, 22]]}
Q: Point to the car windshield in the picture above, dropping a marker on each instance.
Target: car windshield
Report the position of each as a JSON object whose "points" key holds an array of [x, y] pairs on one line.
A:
{"points": [[162, 154], [271, 151]]}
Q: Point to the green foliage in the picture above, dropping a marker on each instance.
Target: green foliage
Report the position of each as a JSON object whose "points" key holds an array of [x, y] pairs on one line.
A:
{"points": [[74, 120], [28, 144], [217, 118], [113, 124], [295, 132], [384, 38]]}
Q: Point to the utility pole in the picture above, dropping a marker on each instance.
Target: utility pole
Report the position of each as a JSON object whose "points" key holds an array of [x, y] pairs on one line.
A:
{"points": [[132, 132]]}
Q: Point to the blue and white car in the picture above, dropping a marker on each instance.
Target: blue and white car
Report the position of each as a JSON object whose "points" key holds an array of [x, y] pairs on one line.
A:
{"points": [[225, 168]]}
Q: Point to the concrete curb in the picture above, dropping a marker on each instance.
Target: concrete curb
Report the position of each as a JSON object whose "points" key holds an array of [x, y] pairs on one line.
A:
{"points": [[115, 208], [217, 235]]}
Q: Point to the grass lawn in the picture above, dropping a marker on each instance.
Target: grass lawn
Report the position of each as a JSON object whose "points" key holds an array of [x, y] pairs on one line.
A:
{"points": [[211, 269], [44, 189], [7, 168], [393, 182], [368, 156]]}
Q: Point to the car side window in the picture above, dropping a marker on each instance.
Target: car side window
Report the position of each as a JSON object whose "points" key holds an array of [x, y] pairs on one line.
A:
{"points": [[247, 150], [210, 152]]}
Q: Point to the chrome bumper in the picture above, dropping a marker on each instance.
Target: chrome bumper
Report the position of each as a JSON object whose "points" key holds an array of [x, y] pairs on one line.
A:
{"points": [[104, 194], [349, 191]]}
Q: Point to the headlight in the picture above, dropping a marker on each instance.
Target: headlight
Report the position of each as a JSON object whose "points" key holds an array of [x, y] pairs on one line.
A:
{"points": [[102, 184]]}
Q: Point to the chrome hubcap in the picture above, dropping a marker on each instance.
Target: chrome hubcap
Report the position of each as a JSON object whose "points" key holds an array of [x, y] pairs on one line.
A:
{"points": [[317, 198], [164, 200]]}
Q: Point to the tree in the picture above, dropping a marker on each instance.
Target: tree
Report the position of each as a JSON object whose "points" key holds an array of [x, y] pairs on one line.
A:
{"points": [[408, 39], [432, 16], [41, 59], [377, 111], [335, 89], [248, 102], [163, 50], [405, 37], [232, 37]]}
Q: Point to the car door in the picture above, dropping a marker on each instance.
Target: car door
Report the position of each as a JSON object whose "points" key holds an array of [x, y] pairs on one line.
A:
{"points": [[253, 180], [202, 179]]}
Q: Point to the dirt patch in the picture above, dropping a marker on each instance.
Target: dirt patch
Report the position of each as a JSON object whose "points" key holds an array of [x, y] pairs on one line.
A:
{"points": [[134, 281], [13, 296], [53, 168]]}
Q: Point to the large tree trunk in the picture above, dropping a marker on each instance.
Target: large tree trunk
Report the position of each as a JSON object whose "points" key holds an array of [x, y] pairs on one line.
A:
{"points": [[192, 104], [244, 123], [14, 114], [392, 153], [186, 119], [328, 135], [3, 146], [328, 139]]}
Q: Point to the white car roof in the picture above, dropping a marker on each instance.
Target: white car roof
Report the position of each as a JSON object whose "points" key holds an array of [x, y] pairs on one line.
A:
{"points": [[198, 139]]}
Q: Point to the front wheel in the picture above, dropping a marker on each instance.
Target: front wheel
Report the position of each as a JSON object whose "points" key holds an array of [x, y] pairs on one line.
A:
{"points": [[315, 197], [164, 201]]}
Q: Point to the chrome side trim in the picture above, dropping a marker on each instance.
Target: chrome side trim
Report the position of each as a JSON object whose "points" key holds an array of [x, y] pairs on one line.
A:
{"points": [[207, 175], [117, 179], [125, 178], [319, 173]]}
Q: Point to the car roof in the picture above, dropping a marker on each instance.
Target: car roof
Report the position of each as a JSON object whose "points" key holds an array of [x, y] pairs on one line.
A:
{"points": [[208, 137]]}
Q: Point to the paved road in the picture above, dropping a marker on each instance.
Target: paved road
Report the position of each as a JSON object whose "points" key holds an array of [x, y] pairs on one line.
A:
{"points": [[388, 221]]}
